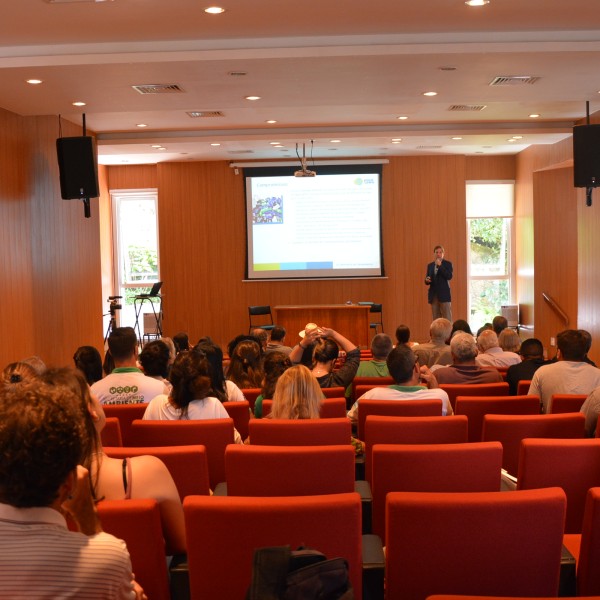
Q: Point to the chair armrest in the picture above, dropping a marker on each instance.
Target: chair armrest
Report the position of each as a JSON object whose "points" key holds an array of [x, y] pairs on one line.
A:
{"points": [[373, 563], [363, 488], [359, 467], [568, 574], [180, 578], [220, 489]]}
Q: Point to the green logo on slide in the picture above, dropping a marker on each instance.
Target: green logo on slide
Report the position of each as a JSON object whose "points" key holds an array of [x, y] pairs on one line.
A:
{"points": [[358, 181]]}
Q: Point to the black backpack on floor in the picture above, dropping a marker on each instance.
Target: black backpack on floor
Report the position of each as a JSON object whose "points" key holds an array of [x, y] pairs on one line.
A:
{"points": [[279, 573]]}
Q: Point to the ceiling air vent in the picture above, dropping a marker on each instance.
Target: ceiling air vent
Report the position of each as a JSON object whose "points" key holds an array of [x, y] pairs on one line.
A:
{"points": [[158, 88], [513, 80], [240, 152], [428, 147], [203, 114], [467, 107]]}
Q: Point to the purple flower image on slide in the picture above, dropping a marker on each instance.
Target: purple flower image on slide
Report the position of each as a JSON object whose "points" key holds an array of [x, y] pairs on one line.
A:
{"points": [[267, 210]]}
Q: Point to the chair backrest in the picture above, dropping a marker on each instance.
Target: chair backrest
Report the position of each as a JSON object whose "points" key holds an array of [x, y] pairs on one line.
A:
{"points": [[503, 371], [240, 413], [523, 387], [474, 389], [289, 470], [126, 413], [214, 434], [111, 433], [331, 408], [376, 308], [412, 430], [396, 408], [188, 465], [573, 465], [370, 383], [487, 543], [251, 394], [259, 311], [223, 533], [566, 403], [333, 392], [300, 432], [475, 407], [432, 468], [137, 522], [588, 574], [511, 429]]}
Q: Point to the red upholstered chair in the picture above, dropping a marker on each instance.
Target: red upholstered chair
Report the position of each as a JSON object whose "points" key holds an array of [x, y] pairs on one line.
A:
{"points": [[523, 387], [333, 392], [412, 430], [369, 383], [566, 403], [137, 522], [214, 434], [225, 530], [289, 470], [240, 413], [502, 371], [432, 468], [396, 408], [300, 432], [474, 389], [586, 547], [331, 408], [573, 465], [476, 407], [489, 543], [511, 429], [188, 465], [111, 433], [251, 394], [126, 413]]}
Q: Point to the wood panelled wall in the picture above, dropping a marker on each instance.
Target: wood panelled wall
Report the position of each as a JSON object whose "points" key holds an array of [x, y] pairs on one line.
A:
{"points": [[51, 298], [202, 243]]}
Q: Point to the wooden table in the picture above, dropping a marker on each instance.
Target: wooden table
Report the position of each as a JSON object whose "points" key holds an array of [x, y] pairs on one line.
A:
{"points": [[351, 320]]}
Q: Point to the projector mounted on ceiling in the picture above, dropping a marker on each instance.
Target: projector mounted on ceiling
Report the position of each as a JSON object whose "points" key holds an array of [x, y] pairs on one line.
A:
{"points": [[304, 171]]}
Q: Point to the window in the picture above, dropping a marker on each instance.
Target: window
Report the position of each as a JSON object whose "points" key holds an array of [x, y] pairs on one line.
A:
{"points": [[136, 260], [490, 208]]}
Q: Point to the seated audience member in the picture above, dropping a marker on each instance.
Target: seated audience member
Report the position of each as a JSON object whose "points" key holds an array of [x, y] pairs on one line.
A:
{"points": [[381, 346], [126, 384], [189, 398], [276, 342], [155, 358], [262, 335], [18, 372], [108, 364], [327, 343], [412, 382], [499, 324], [275, 364], [36, 363], [88, 360], [241, 338], [532, 355], [121, 479], [570, 374], [483, 328], [588, 339], [465, 370], [591, 410], [172, 350], [221, 388], [460, 325], [490, 353], [403, 336], [437, 350], [181, 341], [509, 340], [245, 367], [41, 443]]}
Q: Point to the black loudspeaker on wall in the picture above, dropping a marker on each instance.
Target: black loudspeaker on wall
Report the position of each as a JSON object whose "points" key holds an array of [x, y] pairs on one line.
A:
{"points": [[78, 167], [586, 155]]}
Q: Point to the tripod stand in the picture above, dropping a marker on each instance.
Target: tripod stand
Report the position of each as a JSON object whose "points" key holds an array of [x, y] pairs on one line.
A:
{"points": [[113, 307]]}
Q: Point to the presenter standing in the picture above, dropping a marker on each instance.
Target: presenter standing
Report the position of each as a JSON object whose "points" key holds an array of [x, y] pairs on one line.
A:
{"points": [[439, 273]]}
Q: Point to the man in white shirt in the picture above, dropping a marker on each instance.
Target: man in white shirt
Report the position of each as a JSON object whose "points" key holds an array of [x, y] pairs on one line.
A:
{"points": [[127, 384], [490, 353], [412, 382], [570, 374], [41, 442]]}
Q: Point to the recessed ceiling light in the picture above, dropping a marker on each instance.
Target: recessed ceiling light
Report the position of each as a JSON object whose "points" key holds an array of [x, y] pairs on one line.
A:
{"points": [[271, 121], [511, 140], [517, 137], [78, 103], [34, 81], [141, 125], [534, 116], [279, 146], [215, 144], [429, 93], [335, 141], [252, 97], [477, 2], [403, 118], [275, 143], [156, 146], [396, 140], [214, 10], [161, 148], [456, 137]]}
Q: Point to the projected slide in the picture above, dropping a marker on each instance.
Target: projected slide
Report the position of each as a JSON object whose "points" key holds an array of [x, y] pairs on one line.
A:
{"points": [[324, 226]]}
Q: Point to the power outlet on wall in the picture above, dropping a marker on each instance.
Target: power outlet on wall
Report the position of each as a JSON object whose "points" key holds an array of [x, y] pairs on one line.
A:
{"points": [[553, 341]]}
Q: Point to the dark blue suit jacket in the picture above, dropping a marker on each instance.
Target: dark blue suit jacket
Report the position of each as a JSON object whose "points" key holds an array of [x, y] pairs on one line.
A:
{"points": [[439, 286]]}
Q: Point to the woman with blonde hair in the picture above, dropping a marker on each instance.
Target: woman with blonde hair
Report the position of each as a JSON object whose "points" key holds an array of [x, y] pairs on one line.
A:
{"points": [[297, 395]]}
